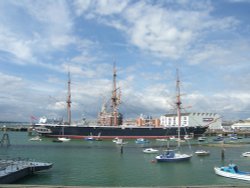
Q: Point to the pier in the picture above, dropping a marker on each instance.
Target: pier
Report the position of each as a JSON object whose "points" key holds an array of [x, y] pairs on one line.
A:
{"points": [[13, 170], [16, 128], [60, 186]]}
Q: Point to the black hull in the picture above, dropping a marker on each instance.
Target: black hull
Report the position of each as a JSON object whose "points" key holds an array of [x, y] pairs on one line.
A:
{"points": [[110, 132]]}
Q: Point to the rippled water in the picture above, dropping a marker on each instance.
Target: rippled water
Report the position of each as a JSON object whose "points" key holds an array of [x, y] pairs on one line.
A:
{"points": [[80, 162]]}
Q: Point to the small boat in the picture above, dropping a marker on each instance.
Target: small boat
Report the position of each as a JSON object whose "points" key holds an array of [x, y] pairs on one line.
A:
{"points": [[180, 140], [202, 138], [172, 156], [90, 138], [162, 140], [218, 138], [119, 141], [150, 150], [115, 139], [42, 130], [56, 140], [246, 154], [93, 138], [141, 141], [36, 138], [233, 138], [202, 152], [64, 139], [232, 171], [172, 138], [188, 137]]}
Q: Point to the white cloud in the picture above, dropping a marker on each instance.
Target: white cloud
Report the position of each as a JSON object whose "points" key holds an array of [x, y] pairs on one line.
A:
{"points": [[170, 33], [239, 1], [8, 82], [46, 27], [46, 35], [167, 29], [60, 105], [100, 7], [11, 43], [233, 54], [227, 104]]}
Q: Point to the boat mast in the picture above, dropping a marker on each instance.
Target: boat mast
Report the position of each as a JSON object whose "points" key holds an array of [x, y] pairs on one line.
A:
{"points": [[114, 99], [178, 105], [69, 100]]}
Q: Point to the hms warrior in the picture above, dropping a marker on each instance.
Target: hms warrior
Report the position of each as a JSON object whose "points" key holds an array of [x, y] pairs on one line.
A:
{"points": [[110, 124]]}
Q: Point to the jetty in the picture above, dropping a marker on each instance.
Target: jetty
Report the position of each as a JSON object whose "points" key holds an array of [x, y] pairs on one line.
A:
{"points": [[12, 170], [61, 186]]}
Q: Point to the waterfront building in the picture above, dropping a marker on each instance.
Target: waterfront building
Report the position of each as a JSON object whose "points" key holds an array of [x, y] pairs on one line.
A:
{"points": [[212, 120], [241, 125], [146, 120]]}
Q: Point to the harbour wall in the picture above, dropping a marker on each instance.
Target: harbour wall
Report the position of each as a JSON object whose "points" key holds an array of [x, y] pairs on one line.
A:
{"points": [[60, 186]]}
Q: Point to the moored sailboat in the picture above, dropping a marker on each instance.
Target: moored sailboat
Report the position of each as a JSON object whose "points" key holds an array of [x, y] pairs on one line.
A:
{"points": [[246, 154], [150, 150], [172, 155], [202, 152]]}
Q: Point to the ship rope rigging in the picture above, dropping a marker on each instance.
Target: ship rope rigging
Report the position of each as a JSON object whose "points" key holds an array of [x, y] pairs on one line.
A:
{"points": [[179, 108], [114, 118], [184, 109], [69, 99]]}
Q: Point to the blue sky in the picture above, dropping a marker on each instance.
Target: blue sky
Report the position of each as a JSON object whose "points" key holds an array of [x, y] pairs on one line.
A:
{"points": [[208, 41]]}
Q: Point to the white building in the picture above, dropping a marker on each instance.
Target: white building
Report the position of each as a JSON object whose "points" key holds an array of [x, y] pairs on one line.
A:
{"points": [[242, 125], [192, 120]]}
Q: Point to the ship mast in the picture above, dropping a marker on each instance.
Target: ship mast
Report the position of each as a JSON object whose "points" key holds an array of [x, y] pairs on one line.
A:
{"points": [[114, 99], [178, 105], [69, 100]]}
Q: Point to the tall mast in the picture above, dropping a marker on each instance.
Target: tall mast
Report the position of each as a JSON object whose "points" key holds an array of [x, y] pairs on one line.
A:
{"points": [[178, 105], [114, 97], [69, 100]]}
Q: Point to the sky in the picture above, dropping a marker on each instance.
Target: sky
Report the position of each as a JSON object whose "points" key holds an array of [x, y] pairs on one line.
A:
{"points": [[207, 41]]}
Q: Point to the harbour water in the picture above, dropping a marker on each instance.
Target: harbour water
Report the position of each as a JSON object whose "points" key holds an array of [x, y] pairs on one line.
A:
{"points": [[101, 163]]}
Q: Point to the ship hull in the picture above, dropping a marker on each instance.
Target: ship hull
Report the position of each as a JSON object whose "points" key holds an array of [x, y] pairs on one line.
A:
{"points": [[110, 132]]}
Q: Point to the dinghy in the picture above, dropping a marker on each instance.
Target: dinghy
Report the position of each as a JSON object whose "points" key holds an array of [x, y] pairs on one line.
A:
{"points": [[232, 171]]}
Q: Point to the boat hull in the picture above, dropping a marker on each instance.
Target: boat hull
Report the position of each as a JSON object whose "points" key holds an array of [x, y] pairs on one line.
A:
{"points": [[150, 150], [231, 175], [176, 158], [202, 153], [246, 154], [111, 132]]}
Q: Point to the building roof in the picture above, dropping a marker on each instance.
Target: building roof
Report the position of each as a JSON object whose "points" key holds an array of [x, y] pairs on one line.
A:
{"points": [[192, 113], [173, 115]]}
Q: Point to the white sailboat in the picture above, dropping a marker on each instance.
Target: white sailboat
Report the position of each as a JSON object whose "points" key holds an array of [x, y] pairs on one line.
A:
{"points": [[202, 152], [150, 150], [63, 138], [172, 155], [36, 138], [246, 154]]}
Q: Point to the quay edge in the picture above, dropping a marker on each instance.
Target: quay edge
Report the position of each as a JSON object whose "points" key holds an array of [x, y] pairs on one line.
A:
{"points": [[61, 186]]}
